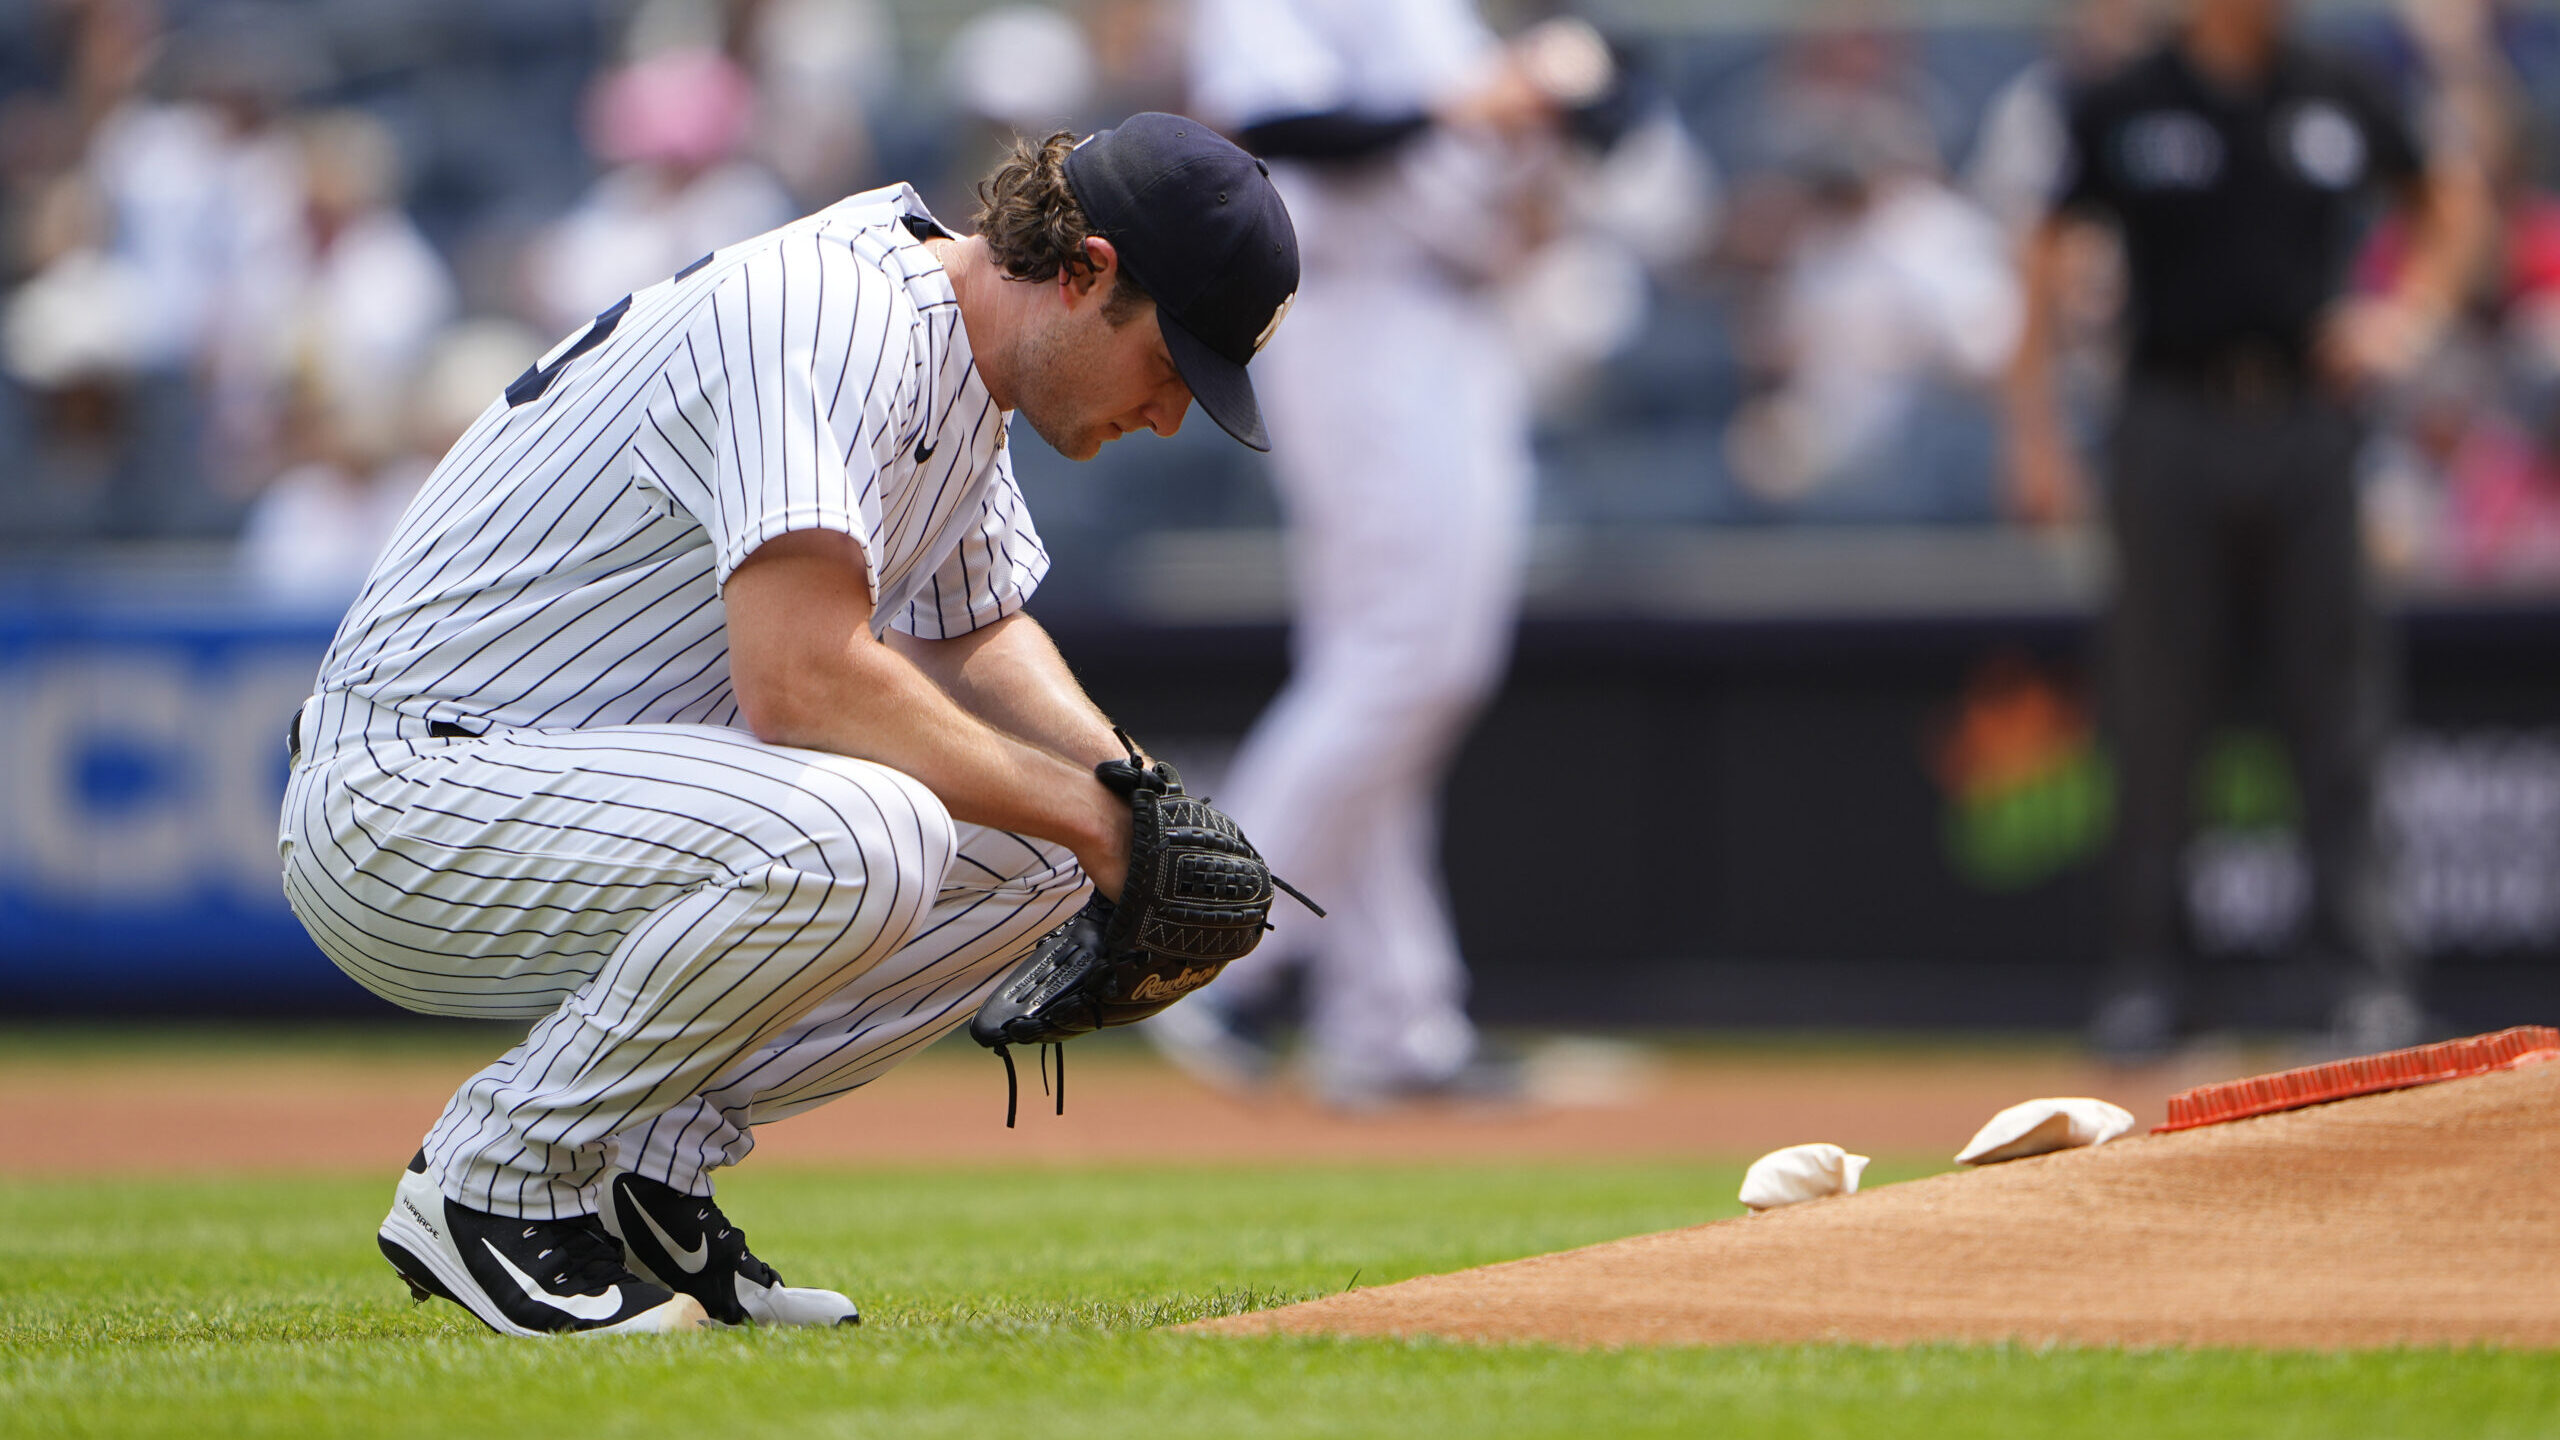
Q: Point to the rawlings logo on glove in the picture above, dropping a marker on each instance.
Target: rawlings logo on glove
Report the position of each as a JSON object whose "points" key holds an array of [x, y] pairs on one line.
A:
{"points": [[1197, 897], [1156, 987]]}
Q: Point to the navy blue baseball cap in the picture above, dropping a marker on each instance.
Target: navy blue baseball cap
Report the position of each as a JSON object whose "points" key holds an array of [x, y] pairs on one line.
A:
{"points": [[1197, 224]]}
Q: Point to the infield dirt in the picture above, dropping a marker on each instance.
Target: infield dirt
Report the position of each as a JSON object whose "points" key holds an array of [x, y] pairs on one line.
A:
{"points": [[185, 1102], [2424, 1216]]}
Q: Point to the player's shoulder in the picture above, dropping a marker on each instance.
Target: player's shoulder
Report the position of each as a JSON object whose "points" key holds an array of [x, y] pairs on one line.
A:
{"points": [[879, 237], [2333, 73], [866, 249], [886, 230], [2150, 79]]}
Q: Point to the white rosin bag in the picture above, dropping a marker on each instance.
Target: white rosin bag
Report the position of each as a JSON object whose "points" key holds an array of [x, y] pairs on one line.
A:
{"points": [[1800, 1173], [2041, 1126]]}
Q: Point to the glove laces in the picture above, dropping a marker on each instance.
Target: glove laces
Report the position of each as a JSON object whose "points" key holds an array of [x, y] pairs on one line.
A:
{"points": [[1125, 777], [1013, 1087]]}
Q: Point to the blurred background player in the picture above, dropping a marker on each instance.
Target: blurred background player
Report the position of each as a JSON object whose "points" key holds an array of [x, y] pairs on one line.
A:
{"points": [[1404, 136], [2235, 163]]}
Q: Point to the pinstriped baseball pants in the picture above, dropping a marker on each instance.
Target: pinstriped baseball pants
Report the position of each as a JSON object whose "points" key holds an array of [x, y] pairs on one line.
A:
{"points": [[708, 932]]}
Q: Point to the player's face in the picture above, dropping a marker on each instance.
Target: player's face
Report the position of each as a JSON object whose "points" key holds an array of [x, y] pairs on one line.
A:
{"points": [[1085, 382]]}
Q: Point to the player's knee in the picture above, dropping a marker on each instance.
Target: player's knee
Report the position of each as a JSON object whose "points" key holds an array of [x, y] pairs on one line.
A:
{"points": [[926, 837], [1412, 674], [871, 828], [1458, 676]]}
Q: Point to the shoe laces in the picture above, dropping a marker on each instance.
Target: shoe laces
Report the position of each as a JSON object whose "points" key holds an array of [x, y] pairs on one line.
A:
{"points": [[731, 1244], [578, 1257]]}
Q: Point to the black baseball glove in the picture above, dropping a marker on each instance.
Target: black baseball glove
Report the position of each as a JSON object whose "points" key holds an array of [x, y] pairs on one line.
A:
{"points": [[1197, 897]]}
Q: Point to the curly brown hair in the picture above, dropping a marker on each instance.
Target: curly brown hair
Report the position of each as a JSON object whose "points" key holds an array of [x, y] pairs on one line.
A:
{"points": [[1035, 229]]}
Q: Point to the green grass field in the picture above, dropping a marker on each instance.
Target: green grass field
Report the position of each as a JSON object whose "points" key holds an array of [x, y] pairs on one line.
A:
{"points": [[1005, 1302]]}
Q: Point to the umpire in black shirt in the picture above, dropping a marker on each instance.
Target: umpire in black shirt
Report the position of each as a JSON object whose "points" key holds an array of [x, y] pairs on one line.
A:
{"points": [[2239, 169]]}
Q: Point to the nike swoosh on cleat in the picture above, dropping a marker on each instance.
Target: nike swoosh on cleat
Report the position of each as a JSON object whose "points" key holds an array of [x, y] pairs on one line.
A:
{"points": [[692, 1260], [583, 1307]]}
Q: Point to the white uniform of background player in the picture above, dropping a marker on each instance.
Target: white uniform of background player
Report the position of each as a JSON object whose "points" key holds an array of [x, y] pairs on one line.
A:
{"points": [[1400, 443]]}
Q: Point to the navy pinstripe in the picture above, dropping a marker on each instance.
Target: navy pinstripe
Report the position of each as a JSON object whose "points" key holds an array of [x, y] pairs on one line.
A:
{"points": [[706, 931]]}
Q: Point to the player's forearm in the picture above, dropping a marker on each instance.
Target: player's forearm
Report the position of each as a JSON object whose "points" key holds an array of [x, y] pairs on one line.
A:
{"points": [[2033, 409], [807, 672], [2042, 485], [1331, 135], [2450, 229], [1011, 676], [875, 705]]}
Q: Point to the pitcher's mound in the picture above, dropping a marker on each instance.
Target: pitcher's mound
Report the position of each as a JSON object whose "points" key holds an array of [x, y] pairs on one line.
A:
{"points": [[2426, 1216]]}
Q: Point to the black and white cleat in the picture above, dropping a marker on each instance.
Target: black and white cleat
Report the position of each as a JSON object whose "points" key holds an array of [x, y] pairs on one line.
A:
{"points": [[683, 1241], [523, 1277]]}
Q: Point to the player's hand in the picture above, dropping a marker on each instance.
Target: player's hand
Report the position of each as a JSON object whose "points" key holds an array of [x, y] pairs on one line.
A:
{"points": [[1554, 66], [1567, 60], [1507, 100], [1197, 896], [2365, 342]]}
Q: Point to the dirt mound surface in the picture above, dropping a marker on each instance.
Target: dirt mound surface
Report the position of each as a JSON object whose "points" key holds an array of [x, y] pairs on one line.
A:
{"points": [[2423, 1216]]}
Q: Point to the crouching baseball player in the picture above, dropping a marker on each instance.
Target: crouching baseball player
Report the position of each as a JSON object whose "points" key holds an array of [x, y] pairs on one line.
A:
{"points": [[692, 714]]}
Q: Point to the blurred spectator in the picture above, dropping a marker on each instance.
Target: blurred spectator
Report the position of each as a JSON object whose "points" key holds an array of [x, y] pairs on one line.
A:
{"points": [[1845, 74], [1895, 306], [206, 187], [79, 316], [1875, 299], [1840, 79], [330, 341], [1022, 68], [1631, 196], [673, 125], [316, 530], [2466, 484], [75, 337], [136, 245], [821, 66], [2231, 491], [1011, 70], [2457, 485], [1138, 55], [327, 326]]}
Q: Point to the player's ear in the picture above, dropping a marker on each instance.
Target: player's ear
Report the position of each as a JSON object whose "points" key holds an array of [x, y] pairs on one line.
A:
{"points": [[1101, 268]]}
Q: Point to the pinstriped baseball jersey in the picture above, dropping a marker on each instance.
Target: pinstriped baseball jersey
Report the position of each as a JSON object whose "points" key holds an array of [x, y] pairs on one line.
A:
{"points": [[562, 567]]}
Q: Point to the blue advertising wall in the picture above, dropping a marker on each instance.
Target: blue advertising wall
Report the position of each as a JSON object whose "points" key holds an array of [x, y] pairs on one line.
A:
{"points": [[142, 760], [1700, 823]]}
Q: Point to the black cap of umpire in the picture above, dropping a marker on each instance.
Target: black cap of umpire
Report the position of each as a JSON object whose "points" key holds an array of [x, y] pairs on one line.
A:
{"points": [[1197, 224]]}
